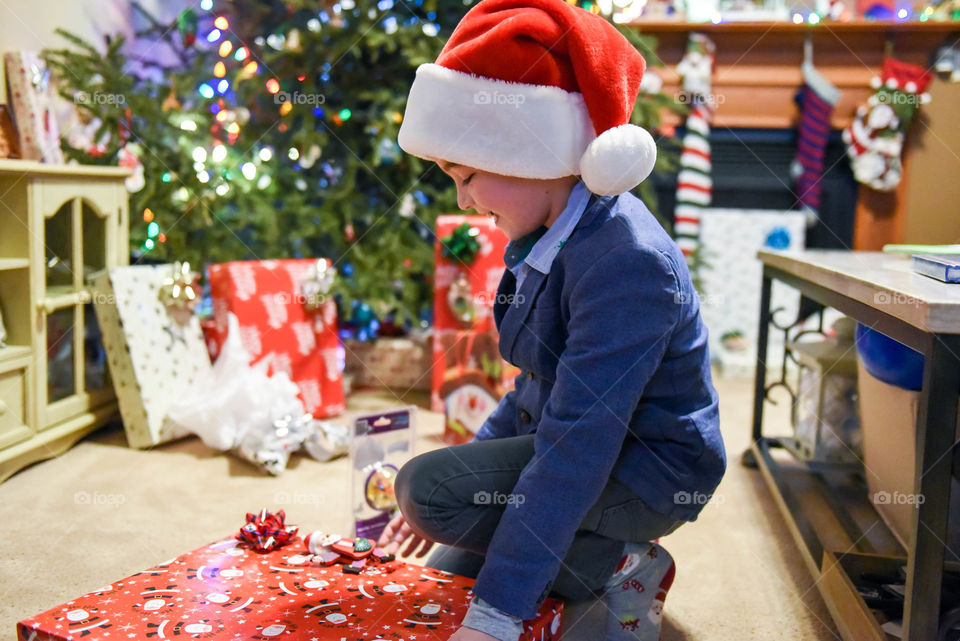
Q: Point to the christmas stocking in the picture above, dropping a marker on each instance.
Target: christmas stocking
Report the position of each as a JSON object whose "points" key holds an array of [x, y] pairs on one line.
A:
{"points": [[875, 137], [816, 99], [694, 186]]}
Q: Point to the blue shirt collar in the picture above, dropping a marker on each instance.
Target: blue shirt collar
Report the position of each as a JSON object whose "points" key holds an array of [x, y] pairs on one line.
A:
{"points": [[540, 247]]}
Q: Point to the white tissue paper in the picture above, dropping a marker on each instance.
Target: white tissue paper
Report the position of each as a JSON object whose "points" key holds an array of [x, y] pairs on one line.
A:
{"points": [[239, 407]]}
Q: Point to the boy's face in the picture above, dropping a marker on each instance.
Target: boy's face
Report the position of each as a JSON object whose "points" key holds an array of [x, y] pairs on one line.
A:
{"points": [[518, 205]]}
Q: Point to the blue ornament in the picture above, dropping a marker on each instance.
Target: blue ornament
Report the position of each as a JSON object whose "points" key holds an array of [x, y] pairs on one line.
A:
{"points": [[778, 238]]}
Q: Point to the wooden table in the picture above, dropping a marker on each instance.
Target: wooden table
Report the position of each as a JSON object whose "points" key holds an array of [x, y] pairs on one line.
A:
{"points": [[880, 291]]}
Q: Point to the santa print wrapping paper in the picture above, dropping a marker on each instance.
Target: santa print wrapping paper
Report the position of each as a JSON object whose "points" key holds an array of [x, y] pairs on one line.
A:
{"points": [[469, 375], [154, 356], [31, 97], [228, 591], [276, 327]]}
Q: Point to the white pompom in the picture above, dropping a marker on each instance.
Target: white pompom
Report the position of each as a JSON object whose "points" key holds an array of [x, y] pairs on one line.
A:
{"points": [[875, 82], [911, 87], [618, 160]]}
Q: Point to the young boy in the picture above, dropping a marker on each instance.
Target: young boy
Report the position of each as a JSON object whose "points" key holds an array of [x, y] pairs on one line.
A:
{"points": [[610, 438]]}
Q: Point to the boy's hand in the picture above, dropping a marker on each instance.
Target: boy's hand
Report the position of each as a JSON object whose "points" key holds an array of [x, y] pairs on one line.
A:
{"points": [[396, 532], [469, 634]]}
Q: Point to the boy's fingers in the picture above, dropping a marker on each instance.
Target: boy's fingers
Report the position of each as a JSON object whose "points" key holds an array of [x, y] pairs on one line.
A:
{"points": [[425, 548], [414, 542]]}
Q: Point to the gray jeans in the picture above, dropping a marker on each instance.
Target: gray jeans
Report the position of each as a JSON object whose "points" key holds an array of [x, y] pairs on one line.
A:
{"points": [[440, 494]]}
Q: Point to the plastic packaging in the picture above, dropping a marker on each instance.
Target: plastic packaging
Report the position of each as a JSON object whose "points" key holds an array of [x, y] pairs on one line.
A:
{"points": [[381, 443]]}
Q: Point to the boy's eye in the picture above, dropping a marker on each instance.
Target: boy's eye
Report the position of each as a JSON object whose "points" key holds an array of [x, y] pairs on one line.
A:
{"points": [[467, 181]]}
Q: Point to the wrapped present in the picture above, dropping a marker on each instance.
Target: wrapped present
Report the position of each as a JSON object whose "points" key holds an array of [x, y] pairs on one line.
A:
{"points": [[286, 320], [398, 363], [32, 99], [153, 343], [229, 590], [469, 375]]}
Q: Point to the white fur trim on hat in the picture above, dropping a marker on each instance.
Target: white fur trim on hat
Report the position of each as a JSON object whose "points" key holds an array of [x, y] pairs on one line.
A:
{"points": [[522, 130], [514, 129], [618, 160]]}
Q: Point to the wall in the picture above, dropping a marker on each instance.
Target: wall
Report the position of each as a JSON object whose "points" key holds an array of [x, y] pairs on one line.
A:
{"points": [[30, 24]]}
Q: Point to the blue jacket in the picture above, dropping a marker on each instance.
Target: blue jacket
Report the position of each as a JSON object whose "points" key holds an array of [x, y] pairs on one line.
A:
{"points": [[615, 382]]}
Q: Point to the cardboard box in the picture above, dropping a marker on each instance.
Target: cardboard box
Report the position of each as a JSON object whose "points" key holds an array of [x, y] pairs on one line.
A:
{"points": [[228, 591], [888, 417], [400, 364], [154, 356]]}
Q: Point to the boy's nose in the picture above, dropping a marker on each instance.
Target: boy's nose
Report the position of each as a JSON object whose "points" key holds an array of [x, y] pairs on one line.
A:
{"points": [[463, 200]]}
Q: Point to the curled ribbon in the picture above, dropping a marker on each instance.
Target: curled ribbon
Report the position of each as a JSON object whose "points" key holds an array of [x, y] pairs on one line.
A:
{"points": [[179, 290], [266, 531]]}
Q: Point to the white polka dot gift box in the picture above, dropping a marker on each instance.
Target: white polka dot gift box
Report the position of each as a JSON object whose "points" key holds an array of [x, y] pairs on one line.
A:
{"points": [[228, 590], [154, 346]]}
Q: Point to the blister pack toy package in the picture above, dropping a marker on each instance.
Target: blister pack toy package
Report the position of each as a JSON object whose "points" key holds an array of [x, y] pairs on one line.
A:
{"points": [[381, 443]]}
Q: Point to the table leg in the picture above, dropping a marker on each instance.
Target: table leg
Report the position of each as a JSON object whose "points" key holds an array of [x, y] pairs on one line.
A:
{"points": [[936, 433], [760, 382]]}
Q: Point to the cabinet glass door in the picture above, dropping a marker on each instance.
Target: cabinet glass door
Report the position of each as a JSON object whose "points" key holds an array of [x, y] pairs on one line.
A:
{"points": [[76, 243], [58, 243]]}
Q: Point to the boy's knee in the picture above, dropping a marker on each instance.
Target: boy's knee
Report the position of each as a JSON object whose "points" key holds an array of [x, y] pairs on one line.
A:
{"points": [[413, 486]]}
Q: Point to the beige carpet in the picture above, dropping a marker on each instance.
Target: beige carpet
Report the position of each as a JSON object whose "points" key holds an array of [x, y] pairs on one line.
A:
{"points": [[739, 576]]}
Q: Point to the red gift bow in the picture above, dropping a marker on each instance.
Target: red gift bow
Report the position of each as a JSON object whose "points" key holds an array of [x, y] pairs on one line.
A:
{"points": [[266, 532]]}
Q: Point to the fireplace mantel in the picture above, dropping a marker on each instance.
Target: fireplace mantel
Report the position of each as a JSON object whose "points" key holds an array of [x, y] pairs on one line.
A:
{"points": [[758, 64]]}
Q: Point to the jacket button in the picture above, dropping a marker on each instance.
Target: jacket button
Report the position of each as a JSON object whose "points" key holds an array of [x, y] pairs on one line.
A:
{"points": [[529, 375], [525, 416]]}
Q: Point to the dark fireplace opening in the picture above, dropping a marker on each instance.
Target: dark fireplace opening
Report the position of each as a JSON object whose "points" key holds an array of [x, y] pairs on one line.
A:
{"points": [[751, 170]]}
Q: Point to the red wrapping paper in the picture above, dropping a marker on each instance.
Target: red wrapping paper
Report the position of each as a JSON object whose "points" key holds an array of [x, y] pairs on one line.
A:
{"points": [[461, 388], [227, 591], [275, 326]]}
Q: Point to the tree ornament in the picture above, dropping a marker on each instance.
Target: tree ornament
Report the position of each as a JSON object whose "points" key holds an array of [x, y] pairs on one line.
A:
{"points": [[187, 26], [129, 158], [171, 103], [461, 244], [460, 299]]}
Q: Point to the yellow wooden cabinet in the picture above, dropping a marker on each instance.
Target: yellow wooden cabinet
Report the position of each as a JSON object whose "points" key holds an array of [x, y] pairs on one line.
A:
{"points": [[59, 225]]}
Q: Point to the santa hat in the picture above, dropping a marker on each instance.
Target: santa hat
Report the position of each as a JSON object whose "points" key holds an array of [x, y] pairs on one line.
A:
{"points": [[533, 89]]}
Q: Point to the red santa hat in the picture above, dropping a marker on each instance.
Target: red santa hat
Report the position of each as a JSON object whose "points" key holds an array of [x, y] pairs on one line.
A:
{"points": [[533, 89]]}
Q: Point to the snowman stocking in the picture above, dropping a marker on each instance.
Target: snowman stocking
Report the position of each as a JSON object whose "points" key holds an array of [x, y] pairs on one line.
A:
{"points": [[875, 137], [694, 185]]}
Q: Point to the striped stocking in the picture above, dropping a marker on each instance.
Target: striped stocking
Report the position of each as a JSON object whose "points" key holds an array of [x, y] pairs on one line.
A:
{"points": [[817, 99], [694, 185]]}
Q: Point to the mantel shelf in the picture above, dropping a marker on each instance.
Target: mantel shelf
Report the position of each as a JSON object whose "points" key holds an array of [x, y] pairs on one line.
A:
{"points": [[857, 26]]}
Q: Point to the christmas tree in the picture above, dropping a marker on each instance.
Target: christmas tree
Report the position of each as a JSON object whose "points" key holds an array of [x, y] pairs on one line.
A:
{"points": [[270, 131]]}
